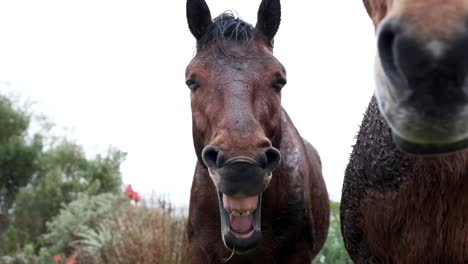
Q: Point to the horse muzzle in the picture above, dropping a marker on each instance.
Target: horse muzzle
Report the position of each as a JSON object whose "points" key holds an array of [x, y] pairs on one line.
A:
{"points": [[240, 182], [422, 88]]}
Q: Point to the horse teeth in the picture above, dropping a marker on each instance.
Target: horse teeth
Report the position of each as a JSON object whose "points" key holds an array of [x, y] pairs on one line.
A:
{"points": [[240, 213]]}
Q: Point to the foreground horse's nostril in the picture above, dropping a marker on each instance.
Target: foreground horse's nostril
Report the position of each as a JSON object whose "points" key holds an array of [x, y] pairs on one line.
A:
{"points": [[212, 156], [273, 157], [387, 35]]}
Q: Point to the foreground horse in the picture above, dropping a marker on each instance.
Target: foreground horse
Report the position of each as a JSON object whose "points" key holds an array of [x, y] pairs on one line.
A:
{"points": [[412, 208], [245, 142]]}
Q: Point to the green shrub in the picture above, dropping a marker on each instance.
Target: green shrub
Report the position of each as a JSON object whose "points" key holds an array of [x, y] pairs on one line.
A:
{"points": [[11, 241], [151, 233], [65, 173], [334, 250], [45, 257], [85, 214], [19, 152]]}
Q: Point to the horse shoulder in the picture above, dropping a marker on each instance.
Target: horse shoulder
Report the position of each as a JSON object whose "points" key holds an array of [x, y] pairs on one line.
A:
{"points": [[305, 168]]}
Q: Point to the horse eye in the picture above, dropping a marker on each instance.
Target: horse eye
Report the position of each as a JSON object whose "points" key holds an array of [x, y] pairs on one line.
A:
{"points": [[279, 83], [192, 84]]}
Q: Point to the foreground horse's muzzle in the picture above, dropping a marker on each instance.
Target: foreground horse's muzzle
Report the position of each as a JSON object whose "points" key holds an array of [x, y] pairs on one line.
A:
{"points": [[422, 87], [240, 181]]}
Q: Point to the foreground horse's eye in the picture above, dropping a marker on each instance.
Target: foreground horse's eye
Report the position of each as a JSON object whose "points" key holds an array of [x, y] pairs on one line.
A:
{"points": [[192, 85], [279, 83]]}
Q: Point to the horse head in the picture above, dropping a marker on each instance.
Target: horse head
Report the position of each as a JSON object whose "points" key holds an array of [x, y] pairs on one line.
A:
{"points": [[235, 84], [421, 72]]}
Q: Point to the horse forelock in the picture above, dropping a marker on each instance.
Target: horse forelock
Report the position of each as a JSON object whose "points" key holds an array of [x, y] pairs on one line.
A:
{"points": [[227, 28]]}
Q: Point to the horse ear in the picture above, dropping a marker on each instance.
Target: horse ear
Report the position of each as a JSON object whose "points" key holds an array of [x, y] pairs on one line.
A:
{"points": [[377, 11], [368, 7], [198, 17], [268, 18]]}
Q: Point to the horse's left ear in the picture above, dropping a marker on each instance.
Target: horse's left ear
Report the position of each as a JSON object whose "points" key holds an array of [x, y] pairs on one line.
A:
{"points": [[198, 17], [268, 19]]}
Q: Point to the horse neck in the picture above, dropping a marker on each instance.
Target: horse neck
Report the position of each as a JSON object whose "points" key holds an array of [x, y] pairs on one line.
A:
{"points": [[288, 180], [447, 170]]}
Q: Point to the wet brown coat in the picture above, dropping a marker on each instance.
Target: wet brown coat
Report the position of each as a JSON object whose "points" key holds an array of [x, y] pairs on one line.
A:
{"points": [[400, 208], [397, 207]]}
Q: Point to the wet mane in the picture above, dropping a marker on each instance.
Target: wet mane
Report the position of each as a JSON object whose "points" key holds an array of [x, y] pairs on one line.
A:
{"points": [[225, 28]]}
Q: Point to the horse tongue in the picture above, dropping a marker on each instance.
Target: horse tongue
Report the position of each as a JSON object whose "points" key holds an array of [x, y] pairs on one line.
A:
{"points": [[241, 224]]}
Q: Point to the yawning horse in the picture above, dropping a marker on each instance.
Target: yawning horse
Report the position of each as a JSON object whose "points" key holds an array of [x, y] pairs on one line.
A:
{"points": [[399, 207], [258, 191]]}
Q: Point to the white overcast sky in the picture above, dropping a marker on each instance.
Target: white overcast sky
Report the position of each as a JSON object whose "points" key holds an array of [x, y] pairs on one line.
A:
{"points": [[111, 73]]}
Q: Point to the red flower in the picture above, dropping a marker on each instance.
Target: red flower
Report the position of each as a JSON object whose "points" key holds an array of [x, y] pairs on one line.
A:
{"points": [[71, 260], [129, 191], [57, 259], [136, 197], [131, 194]]}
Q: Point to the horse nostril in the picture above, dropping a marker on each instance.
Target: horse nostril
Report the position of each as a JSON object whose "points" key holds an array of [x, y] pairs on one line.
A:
{"points": [[387, 36], [273, 158], [212, 156]]}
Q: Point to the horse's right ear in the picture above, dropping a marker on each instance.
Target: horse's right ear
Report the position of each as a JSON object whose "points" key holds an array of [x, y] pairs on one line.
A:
{"points": [[368, 7], [268, 19], [377, 11], [198, 17]]}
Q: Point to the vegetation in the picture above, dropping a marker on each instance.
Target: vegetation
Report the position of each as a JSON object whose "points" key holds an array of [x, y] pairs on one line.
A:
{"points": [[82, 216], [18, 155], [64, 173], [40, 174], [152, 232], [333, 251]]}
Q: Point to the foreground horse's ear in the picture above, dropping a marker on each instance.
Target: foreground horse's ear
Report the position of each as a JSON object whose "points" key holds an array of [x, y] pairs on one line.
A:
{"points": [[368, 7], [198, 17], [268, 18], [376, 10]]}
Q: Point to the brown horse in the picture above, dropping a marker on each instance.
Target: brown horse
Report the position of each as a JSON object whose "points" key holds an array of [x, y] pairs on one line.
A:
{"points": [[258, 192], [399, 207]]}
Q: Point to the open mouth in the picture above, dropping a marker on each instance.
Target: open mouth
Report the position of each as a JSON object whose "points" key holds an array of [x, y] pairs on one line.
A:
{"points": [[240, 222]]}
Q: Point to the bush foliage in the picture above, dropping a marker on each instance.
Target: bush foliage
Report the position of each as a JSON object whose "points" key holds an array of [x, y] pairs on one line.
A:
{"points": [[79, 217], [334, 250], [108, 228], [19, 154], [40, 173]]}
